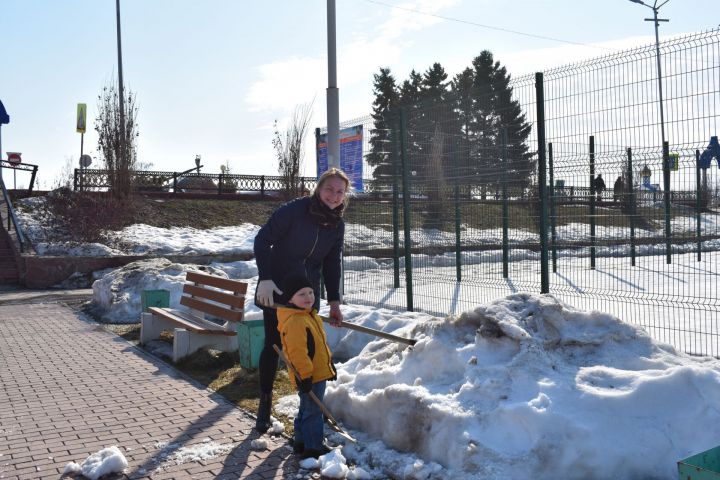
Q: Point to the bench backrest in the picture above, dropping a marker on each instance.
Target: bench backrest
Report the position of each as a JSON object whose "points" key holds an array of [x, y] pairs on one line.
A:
{"points": [[228, 304]]}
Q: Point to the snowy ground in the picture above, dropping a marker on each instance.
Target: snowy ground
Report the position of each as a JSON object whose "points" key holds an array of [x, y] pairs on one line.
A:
{"points": [[523, 387], [511, 386]]}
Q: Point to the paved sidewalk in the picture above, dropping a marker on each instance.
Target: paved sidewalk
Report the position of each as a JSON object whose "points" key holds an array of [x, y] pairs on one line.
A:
{"points": [[68, 389]]}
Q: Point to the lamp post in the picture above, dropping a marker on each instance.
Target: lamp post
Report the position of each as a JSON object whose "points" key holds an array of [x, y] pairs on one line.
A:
{"points": [[333, 114], [655, 7]]}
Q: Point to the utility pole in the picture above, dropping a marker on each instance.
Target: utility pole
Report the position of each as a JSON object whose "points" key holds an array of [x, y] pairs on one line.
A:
{"points": [[120, 78], [333, 114], [655, 7]]}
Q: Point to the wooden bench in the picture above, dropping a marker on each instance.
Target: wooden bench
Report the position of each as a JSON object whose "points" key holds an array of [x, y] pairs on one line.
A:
{"points": [[203, 294]]}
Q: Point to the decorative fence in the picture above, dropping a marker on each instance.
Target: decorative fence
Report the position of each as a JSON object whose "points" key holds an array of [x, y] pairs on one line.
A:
{"points": [[180, 182], [470, 212]]}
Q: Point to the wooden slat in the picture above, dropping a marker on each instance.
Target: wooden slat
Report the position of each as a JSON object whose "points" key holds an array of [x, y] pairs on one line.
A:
{"points": [[236, 301], [212, 309], [234, 286], [191, 322]]}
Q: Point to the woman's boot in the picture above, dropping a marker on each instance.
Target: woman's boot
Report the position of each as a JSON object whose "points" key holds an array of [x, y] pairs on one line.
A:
{"points": [[262, 424]]}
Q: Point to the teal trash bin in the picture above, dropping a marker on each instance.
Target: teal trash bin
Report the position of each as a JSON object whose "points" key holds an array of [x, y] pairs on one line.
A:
{"points": [[155, 298], [251, 338], [703, 466]]}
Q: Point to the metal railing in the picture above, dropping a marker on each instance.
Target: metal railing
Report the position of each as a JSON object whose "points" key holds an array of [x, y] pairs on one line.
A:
{"points": [[12, 220], [468, 217]]}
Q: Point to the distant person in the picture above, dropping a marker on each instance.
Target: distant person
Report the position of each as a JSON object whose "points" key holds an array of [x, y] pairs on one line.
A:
{"points": [[599, 186], [303, 236], [618, 188], [305, 345]]}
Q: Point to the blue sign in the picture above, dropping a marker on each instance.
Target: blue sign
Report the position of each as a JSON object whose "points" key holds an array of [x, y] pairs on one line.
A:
{"points": [[712, 151], [351, 155], [4, 117]]}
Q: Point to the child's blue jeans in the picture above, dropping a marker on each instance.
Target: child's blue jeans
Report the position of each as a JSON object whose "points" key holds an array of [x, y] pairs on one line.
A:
{"points": [[309, 421]]}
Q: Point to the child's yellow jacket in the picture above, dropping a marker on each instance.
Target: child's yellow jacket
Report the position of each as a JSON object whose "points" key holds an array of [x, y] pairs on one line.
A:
{"points": [[305, 344]]}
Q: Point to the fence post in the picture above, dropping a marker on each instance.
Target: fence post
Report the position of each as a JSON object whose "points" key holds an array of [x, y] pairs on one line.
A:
{"points": [[553, 233], [32, 179], [540, 96], [458, 252], [220, 184], [396, 204], [75, 180], [262, 186], [592, 202], [631, 205], [698, 205], [175, 182], [505, 213], [406, 211], [666, 182]]}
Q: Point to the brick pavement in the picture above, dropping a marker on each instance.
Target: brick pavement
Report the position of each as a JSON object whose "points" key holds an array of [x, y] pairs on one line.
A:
{"points": [[69, 388]]}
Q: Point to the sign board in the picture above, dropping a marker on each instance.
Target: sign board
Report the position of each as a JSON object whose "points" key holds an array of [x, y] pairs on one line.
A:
{"points": [[351, 155], [4, 117], [14, 158], [85, 161], [81, 117], [674, 161]]}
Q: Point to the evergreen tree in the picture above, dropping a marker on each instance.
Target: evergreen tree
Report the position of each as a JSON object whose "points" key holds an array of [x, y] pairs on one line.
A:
{"points": [[463, 104], [410, 93], [495, 110], [435, 118], [384, 121]]}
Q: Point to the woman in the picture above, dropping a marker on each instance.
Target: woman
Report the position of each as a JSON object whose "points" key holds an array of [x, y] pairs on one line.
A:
{"points": [[304, 236]]}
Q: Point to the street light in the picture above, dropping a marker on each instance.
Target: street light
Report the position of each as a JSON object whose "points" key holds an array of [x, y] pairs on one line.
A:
{"points": [[655, 7], [333, 107]]}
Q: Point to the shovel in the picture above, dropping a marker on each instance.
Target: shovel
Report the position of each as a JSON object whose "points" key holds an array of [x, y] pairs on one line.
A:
{"points": [[328, 416]]}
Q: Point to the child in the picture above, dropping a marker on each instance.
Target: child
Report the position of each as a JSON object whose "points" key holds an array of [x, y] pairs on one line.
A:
{"points": [[305, 346]]}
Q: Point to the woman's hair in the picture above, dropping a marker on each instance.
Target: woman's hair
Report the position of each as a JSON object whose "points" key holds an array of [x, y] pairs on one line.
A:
{"points": [[335, 173]]}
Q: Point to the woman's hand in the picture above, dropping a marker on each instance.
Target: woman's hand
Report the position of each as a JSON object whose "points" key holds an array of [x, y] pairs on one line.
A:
{"points": [[336, 316], [264, 292]]}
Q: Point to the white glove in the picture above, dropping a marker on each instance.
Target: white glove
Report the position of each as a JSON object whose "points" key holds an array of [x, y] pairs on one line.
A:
{"points": [[264, 292]]}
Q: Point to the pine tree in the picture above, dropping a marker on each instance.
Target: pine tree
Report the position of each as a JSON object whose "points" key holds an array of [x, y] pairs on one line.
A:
{"points": [[435, 119], [495, 110], [464, 107], [410, 93], [384, 121]]}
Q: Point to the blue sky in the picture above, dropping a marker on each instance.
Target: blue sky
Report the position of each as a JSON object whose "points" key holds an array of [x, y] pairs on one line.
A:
{"points": [[212, 76]]}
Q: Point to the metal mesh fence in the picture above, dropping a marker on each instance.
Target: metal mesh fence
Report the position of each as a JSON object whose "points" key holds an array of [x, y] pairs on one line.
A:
{"points": [[467, 208]]}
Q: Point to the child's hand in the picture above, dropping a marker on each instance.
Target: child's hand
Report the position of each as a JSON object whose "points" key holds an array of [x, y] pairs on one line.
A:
{"points": [[305, 385]]}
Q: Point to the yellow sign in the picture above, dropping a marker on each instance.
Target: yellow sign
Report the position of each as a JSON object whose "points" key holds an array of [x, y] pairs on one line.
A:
{"points": [[81, 115]]}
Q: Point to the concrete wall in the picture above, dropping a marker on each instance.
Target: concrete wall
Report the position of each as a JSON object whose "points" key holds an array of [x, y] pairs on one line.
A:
{"points": [[45, 271]]}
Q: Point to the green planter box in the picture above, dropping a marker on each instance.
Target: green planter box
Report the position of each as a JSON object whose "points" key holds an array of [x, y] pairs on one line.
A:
{"points": [[703, 466], [155, 298], [251, 338]]}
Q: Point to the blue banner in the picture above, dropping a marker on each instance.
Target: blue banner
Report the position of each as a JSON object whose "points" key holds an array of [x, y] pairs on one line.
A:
{"points": [[351, 155]]}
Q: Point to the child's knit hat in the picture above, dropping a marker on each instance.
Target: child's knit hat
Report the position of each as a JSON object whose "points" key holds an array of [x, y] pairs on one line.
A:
{"points": [[292, 283]]}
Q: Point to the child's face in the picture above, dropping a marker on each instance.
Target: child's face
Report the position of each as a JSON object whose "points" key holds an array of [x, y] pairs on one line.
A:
{"points": [[303, 298]]}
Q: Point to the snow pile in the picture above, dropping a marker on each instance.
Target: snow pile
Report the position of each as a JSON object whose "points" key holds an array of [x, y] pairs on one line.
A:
{"points": [[141, 239], [117, 295], [526, 387], [200, 452], [108, 460]]}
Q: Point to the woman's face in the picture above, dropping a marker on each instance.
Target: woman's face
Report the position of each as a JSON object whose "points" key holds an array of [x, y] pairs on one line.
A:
{"points": [[332, 192]]}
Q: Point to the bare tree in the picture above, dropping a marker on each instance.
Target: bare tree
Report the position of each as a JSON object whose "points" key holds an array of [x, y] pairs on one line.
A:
{"points": [[289, 148], [116, 142]]}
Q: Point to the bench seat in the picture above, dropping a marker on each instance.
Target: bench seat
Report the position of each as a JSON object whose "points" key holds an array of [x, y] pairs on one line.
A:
{"points": [[203, 295]]}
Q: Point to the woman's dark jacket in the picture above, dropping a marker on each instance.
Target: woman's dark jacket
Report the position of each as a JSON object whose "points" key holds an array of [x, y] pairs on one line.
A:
{"points": [[292, 241]]}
